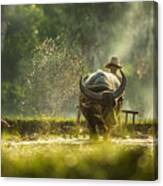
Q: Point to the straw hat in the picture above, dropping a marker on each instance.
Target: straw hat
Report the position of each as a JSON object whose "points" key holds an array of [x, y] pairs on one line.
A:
{"points": [[114, 62]]}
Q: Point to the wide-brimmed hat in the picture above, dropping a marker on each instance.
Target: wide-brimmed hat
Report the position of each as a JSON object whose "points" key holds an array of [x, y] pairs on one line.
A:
{"points": [[113, 62]]}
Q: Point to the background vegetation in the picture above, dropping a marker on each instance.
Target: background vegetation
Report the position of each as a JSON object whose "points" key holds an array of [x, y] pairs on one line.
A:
{"points": [[45, 49]]}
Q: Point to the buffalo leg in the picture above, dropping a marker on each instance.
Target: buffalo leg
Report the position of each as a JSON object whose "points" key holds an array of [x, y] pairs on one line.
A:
{"points": [[89, 115]]}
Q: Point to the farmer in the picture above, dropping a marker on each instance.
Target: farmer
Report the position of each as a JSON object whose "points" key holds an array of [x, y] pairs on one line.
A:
{"points": [[114, 66]]}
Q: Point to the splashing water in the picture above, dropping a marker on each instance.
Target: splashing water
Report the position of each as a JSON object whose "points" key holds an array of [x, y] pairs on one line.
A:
{"points": [[53, 82]]}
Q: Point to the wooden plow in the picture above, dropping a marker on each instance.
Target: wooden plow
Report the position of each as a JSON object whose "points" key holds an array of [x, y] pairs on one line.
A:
{"points": [[132, 113]]}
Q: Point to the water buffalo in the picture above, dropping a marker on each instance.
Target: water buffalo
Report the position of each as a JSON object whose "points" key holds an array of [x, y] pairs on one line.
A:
{"points": [[99, 95]]}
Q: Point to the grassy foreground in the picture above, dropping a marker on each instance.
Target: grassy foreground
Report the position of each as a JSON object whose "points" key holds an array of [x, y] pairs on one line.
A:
{"points": [[90, 161]]}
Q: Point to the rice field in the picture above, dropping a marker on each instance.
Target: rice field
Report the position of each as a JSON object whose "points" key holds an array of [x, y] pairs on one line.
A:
{"points": [[54, 148]]}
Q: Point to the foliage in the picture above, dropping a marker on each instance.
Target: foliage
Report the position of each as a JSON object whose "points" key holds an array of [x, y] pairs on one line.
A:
{"points": [[93, 161], [87, 32], [19, 36]]}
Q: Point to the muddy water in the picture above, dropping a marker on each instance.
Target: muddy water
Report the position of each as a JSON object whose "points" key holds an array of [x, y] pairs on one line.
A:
{"points": [[77, 141]]}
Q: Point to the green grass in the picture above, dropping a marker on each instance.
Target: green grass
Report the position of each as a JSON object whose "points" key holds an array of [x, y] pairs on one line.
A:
{"points": [[40, 125], [92, 161], [56, 126], [96, 160]]}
